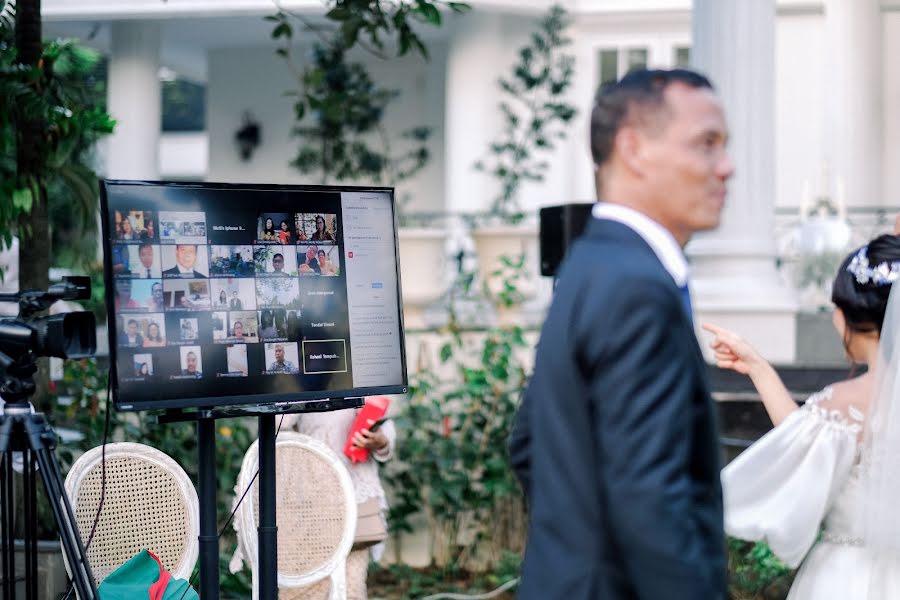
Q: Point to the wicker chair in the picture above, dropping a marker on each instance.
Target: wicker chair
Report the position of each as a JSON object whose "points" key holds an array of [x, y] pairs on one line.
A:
{"points": [[315, 511], [150, 503]]}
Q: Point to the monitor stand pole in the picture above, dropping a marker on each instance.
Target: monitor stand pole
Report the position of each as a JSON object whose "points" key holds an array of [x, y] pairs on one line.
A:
{"points": [[206, 455]]}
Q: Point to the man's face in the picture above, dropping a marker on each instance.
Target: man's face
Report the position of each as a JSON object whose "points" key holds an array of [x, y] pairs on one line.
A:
{"points": [[185, 255], [279, 354], [157, 291], [191, 362], [278, 263], [123, 290], [146, 254], [132, 328], [686, 163], [238, 330], [310, 253]]}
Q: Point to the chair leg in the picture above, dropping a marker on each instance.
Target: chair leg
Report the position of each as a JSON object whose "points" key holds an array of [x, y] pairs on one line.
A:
{"points": [[339, 582]]}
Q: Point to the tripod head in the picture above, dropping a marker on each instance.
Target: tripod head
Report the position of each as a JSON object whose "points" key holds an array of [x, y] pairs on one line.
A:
{"points": [[27, 336]]}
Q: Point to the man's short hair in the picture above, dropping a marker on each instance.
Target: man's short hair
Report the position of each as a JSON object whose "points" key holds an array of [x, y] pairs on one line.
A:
{"points": [[145, 245], [638, 95], [278, 255]]}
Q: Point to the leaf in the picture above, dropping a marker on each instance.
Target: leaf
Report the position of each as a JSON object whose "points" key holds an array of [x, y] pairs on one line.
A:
{"points": [[430, 13], [299, 110], [459, 7], [22, 199], [339, 14], [350, 30], [283, 29]]}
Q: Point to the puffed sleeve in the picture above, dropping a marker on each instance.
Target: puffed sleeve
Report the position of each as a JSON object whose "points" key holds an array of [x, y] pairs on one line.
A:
{"points": [[780, 489]]}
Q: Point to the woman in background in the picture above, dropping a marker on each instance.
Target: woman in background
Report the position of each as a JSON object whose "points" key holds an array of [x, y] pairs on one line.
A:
{"points": [[821, 487], [284, 234], [268, 234], [154, 338], [326, 267], [321, 235], [332, 428], [127, 229]]}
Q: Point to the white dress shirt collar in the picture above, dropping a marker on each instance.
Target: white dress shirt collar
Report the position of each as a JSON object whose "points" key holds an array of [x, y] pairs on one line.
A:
{"points": [[657, 237]]}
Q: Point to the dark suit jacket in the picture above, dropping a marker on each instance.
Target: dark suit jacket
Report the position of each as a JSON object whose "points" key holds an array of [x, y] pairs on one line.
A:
{"points": [[174, 272], [616, 441]]}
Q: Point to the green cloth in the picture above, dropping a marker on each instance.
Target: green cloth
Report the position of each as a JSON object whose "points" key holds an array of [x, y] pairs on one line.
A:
{"points": [[135, 578]]}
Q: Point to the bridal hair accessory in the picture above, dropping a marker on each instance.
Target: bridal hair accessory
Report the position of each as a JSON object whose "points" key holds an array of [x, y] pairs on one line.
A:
{"points": [[883, 274]]}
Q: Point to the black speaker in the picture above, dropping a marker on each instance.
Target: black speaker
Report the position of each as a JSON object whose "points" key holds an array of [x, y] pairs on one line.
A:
{"points": [[560, 226]]}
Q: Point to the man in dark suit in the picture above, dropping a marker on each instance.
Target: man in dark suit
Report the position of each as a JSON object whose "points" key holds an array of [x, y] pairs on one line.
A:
{"points": [[616, 441], [235, 303], [185, 258]]}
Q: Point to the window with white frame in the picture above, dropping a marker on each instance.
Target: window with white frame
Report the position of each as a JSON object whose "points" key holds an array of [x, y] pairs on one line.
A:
{"points": [[613, 61]]}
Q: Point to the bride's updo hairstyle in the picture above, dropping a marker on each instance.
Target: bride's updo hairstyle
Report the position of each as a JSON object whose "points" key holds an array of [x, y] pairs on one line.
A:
{"points": [[863, 283]]}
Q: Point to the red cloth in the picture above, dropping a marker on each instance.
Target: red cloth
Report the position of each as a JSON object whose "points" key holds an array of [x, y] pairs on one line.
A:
{"points": [[374, 408], [159, 588]]}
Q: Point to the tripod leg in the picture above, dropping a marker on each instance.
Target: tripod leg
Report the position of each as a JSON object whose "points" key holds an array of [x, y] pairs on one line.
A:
{"points": [[70, 525], [30, 524], [42, 440], [7, 498]]}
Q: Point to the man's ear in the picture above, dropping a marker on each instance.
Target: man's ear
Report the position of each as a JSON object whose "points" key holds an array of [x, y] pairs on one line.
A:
{"points": [[630, 148]]}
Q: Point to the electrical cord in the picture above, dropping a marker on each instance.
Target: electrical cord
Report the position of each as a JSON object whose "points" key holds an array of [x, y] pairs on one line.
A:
{"points": [[106, 428], [448, 596], [233, 513]]}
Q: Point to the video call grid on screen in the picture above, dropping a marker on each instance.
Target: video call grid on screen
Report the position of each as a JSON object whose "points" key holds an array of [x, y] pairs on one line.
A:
{"points": [[240, 294]]}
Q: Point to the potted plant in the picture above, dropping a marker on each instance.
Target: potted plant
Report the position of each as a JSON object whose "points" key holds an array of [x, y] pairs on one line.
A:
{"points": [[452, 463]]}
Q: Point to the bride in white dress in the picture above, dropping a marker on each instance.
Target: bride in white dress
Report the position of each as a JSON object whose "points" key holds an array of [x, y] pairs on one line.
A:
{"points": [[823, 487]]}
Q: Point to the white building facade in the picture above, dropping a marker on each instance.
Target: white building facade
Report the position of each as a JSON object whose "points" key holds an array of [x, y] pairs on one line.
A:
{"points": [[810, 86]]}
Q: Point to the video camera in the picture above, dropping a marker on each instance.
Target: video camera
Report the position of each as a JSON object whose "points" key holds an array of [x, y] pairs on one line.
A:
{"points": [[28, 336]]}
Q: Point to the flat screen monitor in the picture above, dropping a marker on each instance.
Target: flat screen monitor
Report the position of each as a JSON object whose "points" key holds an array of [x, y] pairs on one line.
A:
{"points": [[223, 294]]}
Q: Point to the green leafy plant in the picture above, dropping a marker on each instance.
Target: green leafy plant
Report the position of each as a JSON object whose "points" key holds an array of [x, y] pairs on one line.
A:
{"points": [[404, 581], [378, 20], [60, 94], [338, 115], [755, 573], [535, 112], [452, 463], [339, 109]]}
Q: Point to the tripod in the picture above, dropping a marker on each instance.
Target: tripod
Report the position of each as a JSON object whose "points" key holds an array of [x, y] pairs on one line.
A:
{"points": [[22, 430]]}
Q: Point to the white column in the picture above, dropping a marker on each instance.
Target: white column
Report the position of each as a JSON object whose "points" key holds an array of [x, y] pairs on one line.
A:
{"points": [[855, 119], [735, 282], [134, 101], [475, 58]]}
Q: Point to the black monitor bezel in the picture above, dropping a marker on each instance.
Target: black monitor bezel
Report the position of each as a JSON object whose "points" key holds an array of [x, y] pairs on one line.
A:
{"points": [[247, 399]]}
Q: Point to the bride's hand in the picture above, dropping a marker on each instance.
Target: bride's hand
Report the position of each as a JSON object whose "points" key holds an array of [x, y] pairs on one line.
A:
{"points": [[732, 352]]}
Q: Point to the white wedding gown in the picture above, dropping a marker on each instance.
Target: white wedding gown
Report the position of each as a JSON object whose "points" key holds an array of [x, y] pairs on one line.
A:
{"points": [[799, 489]]}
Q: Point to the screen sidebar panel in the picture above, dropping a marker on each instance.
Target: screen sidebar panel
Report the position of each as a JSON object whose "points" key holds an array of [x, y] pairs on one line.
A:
{"points": [[372, 286]]}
